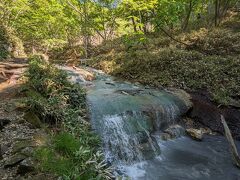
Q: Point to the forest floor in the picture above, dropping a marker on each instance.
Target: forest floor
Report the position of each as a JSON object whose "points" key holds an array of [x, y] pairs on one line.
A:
{"points": [[18, 138]]}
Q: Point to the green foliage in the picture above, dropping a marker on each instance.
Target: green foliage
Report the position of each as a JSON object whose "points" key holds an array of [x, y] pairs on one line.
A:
{"points": [[66, 144], [3, 44], [45, 78], [69, 158], [50, 92], [218, 41], [71, 154], [135, 40]]}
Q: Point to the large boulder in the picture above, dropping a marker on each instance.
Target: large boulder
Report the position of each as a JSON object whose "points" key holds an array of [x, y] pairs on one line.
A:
{"points": [[209, 114]]}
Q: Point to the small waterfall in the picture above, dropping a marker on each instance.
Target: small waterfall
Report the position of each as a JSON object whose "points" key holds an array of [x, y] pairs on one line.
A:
{"points": [[125, 116], [119, 143]]}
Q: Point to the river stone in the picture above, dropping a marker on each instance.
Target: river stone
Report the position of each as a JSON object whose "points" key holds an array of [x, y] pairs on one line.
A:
{"points": [[14, 160], [175, 131], [165, 136], [25, 166], [195, 134]]}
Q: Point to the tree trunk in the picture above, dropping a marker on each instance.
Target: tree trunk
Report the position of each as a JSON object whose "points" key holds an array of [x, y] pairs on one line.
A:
{"points": [[134, 25], [216, 12], [186, 22]]}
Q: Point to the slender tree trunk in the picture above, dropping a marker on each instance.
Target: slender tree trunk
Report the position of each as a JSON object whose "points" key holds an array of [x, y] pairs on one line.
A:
{"points": [[216, 19], [85, 33], [186, 22], [134, 25]]}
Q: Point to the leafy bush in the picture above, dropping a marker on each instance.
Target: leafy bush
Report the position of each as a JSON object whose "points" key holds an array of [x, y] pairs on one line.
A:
{"points": [[73, 153], [50, 93], [3, 43], [215, 42], [70, 159]]}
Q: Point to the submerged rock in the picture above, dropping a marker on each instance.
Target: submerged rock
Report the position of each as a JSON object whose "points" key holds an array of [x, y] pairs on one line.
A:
{"points": [[165, 136], [195, 134], [175, 131]]}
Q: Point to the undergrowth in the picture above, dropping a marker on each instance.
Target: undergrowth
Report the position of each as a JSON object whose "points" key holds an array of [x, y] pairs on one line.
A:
{"points": [[74, 152], [210, 62], [3, 44]]}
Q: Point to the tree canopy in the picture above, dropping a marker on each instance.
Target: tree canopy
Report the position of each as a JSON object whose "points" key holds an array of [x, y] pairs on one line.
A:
{"points": [[45, 24]]}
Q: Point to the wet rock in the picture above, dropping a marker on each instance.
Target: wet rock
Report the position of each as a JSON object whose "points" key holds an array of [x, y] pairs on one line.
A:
{"points": [[208, 114], [195, 134], [109, 83], [25, 166], [175, 131], [131, 92], [14, 160], [183, 95], [4, 122], [165, 136], [150, 149], [33, 120]]}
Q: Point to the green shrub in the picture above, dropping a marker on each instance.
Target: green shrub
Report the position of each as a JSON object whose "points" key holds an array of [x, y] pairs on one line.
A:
{"points": [[66, 144], [68, 158], [50, 94], [72, 154], [3, 43]]}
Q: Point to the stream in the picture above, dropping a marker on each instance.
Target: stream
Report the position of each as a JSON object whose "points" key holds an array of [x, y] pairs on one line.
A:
{"points": [[130, 119]]}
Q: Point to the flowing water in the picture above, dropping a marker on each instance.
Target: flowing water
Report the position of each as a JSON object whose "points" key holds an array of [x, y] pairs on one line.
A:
{"points": [[130, 119]]}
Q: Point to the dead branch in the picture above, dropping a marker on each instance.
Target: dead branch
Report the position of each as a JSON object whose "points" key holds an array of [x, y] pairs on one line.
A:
{"points": [[12, 66], [233, 147]]}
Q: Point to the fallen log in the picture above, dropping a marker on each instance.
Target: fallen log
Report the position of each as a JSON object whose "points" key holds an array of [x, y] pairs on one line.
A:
{"points": [[12, 66], [6, 72], [233, 148]]}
